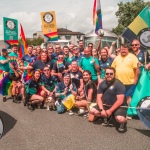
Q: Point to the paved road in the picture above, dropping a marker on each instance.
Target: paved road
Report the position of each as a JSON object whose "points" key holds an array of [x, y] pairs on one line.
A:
{"points": [[45, 130]]}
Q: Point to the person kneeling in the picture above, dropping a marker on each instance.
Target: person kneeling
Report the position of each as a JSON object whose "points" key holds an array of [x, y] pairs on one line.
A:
{"points": [[110, 98], [32, 87], [64, 89]]}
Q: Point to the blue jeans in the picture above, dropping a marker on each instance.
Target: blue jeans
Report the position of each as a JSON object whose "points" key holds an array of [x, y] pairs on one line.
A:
{"points": [[60, 108]]}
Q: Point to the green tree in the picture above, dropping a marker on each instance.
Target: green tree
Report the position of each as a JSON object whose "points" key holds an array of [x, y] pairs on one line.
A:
{"points": [[126, 13], [35, 41]]}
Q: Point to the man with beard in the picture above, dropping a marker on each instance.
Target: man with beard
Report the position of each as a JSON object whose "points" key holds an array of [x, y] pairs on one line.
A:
{"points": [[140, 54], [126, 65], [104, 62], [110, 96], [81, 46], [29, 57]]}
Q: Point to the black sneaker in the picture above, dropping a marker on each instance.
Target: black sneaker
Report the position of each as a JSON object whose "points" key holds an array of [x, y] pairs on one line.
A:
{"points": [[106, 121], [4, 98], [31, 107], [15, 100], [122, 127]]}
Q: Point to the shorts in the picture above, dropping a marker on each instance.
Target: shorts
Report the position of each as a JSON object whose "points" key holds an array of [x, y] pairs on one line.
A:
{"points": [[13, 77], [130, 90], [118, 112]]}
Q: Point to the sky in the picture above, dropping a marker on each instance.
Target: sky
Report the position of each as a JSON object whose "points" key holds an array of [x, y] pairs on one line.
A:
{"points": [[76, 15]]}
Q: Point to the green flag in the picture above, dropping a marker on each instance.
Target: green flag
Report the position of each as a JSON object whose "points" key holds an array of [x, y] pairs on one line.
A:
{"points": [[10, 31], [142, 90]]}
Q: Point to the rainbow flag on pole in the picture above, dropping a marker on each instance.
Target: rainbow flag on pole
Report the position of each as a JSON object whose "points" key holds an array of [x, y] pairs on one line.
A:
{"points": [[23, 47], [139, 28], [97, 15]]}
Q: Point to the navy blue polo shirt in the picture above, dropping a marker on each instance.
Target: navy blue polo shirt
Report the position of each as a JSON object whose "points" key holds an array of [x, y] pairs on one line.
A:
{"points": [[60, 87], [141, 57], [49, 83], [77, 58], [75, 77], [38, 64], [32, 86], [60, 68], [105, 63], [110, 92], [28, 58]]}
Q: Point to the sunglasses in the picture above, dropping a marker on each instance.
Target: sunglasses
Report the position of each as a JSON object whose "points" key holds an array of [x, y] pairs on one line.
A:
{"points": [[47, 70], [109, 74], [57, 48], [75, 48], [60, 57], [135, 44], [90, 46]]}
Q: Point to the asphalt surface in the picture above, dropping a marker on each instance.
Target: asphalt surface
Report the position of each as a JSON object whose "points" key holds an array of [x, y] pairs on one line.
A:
{"points": [[46, 130]]}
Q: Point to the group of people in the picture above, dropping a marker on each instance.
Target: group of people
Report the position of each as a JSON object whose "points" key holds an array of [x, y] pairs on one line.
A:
{"points": [[101, 81]]}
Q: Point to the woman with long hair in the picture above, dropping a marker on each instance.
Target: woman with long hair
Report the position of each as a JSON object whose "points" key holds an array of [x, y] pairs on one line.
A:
{"points": [[32, 86]]}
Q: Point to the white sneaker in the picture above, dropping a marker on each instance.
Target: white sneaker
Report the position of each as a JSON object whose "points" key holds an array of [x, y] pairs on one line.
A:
{"points": [[71, 112], [81, 111]]}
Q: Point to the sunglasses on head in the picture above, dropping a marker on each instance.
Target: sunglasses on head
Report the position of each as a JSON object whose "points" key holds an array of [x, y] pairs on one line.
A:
{"points": [[135, 44], [109, 74]]}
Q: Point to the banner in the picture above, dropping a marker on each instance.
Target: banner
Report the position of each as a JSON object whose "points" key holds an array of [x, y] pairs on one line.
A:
{"points": [[140, 29], [49, 26], [10, 32], [142, 90], [97, 15]]}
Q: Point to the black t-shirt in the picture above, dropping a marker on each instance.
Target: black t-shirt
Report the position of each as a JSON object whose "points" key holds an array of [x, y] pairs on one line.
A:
{"points": [[60, 67], [87, 87], [109, 96], [75, 78], [38, 64]]}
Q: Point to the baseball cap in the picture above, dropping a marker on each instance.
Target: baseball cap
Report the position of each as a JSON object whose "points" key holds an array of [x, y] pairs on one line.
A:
{"points": [[4, 49], [67, 75]]}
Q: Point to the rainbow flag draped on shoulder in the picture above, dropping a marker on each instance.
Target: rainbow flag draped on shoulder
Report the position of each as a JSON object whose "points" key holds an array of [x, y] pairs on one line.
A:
{"points": [[97, 15], [139, 29]]}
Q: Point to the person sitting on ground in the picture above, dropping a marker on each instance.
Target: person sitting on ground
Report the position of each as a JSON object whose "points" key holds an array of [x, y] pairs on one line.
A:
{"points": [[110, 96], [90, 91], [32, 86], [64, 89]]}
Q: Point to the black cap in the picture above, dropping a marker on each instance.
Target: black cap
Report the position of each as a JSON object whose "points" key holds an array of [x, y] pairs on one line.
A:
{"points": [[4, 49], [67, 75]]}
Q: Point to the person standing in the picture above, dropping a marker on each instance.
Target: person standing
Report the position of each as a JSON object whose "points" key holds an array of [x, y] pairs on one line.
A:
{"points": [[126, 65]]}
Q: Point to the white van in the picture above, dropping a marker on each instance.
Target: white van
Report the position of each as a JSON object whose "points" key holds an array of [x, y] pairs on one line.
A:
{"points": [[53, 43]]}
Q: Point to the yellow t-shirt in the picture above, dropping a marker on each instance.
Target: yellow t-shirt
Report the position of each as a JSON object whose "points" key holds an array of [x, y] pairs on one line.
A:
{"points": [[125, 68]]}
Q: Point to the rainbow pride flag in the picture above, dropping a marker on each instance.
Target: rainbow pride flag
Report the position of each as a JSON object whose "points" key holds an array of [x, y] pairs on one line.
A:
{"points": [[60, 64], [136, 30], [23, 47], [53, 36], [5, 84], [97, 15]]}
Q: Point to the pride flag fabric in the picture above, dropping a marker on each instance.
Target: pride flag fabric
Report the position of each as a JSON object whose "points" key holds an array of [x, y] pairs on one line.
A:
{"points": [[140, 23], [23, 47], [97, 15]]}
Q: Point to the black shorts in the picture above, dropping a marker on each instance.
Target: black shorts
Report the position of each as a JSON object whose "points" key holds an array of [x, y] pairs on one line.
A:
{"points": [[13, 77], [118, 112]]}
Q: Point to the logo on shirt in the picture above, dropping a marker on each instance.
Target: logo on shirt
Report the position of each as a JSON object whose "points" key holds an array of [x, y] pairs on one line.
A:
{"points": [[111, 87]]}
